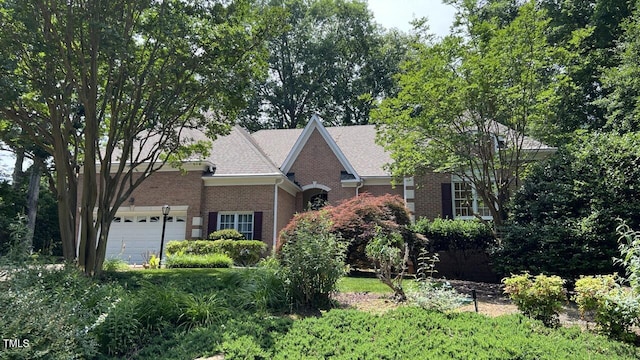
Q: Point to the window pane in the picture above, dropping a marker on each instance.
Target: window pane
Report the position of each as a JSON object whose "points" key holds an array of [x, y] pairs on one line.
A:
{"points": [[227, 221], [463, 199], [245, 225]]}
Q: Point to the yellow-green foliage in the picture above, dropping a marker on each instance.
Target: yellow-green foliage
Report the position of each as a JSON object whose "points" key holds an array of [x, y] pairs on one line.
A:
{"points": [[590, 290], [539, 297], [613, 307]]}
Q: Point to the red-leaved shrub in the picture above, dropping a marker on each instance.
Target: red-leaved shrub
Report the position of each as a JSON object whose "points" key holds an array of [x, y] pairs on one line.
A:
{"points": [[355, 221]]}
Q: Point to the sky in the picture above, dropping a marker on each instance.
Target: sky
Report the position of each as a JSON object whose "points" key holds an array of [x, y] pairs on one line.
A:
{"points": [[398, 14], [388, 13]]}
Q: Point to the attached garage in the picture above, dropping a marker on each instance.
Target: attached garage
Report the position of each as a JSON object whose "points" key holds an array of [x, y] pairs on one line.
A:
{"points": [[135, 234]]}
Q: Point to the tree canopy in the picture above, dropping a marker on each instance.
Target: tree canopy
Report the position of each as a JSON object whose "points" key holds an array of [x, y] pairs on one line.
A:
{"points": [[467, 102], [333, 60], [94, 83]]}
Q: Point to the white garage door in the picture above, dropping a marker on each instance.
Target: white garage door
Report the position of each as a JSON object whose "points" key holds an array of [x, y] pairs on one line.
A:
{"points": [[135, 235]]}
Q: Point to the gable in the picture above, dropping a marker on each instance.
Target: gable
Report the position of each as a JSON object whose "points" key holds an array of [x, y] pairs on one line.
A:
{"points": [[315, 126], [316, 162]]}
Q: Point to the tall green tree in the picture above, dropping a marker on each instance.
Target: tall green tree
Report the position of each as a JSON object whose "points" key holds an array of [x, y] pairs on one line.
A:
{"points": [[108, 88], [466, 104], [592, 30], [333, 60], [622, 104]]}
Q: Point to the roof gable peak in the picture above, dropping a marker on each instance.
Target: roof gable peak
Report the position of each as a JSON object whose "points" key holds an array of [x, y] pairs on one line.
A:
{"points": [[316, 124]]}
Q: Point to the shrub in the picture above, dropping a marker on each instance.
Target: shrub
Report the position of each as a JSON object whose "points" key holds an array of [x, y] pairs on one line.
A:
{"points": [[115, 264], [540, 298], [199, 261], [563, 219], [190, 247], [390, 255], [243, 252], [355, 221], [53, 309], [454, 235], [226, 234], [436, 295], [629, 246], [312, 262], [614, 308]]}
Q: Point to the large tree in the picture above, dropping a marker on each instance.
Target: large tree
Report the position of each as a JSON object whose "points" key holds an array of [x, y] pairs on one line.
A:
{"points": [[89, 81], [333, 60], [467, 103], [622, 104]]}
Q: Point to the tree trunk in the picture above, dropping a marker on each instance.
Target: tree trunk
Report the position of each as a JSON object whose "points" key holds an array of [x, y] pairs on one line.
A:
{"points": [[17, 168], [33, 194]]}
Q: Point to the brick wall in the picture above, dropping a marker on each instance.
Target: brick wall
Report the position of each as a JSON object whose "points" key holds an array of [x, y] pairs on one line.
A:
{"points": [[239, 199], [286, 209], [379, 190], [428, 194], [316, 162], [173, 188]]}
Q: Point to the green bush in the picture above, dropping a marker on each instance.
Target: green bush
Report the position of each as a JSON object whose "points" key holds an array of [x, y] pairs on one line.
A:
{"points": [[115, 264], [562, 220], [243, 252], [190, 247], [629, 246], [226, 234], [53, 309], [199, 261], [389, 254], [436, 295], [615, 309], [454, 235], [119, 331], [312, 263], [540, 298], [355, 221]]}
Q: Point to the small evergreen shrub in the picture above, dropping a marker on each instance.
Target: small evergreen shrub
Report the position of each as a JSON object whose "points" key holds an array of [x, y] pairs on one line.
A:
{"points": [[190, 247], [199, 261], [312, 262], [539, 297], [226, 234]]}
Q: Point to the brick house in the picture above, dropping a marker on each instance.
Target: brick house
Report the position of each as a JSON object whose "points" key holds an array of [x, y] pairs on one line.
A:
{"points": [[256, 182]]}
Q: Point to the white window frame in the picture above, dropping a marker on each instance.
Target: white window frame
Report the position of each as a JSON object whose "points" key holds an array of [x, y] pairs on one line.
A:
{"points": [[236, 222], [475, 199]]}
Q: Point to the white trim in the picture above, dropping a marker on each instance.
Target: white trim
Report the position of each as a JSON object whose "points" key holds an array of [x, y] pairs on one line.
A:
{"points": [[316, 124], [236, 216], [275, 213], [190, 165], [315, 185], [474, 199]]}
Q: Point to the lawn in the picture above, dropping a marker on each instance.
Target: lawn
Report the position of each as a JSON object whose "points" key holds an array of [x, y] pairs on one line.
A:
{"points": [[191, 313]]}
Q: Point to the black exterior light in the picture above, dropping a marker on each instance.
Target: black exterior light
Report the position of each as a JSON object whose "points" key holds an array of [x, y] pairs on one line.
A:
{"points": [[165, 213]]}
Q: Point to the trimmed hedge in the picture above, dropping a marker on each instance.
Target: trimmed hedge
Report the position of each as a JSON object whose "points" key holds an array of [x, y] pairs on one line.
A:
{"points": [[226, 234], [243, 252], [199, 261], [452, 235]]}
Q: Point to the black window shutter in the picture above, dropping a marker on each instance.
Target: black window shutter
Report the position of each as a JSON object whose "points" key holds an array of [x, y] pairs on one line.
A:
{"points": [[212, 224], [257, 225], [447, 201]]}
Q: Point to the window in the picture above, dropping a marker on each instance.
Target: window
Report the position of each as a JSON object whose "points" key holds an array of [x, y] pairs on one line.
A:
{"points": [[466, 202], [243, 222]]}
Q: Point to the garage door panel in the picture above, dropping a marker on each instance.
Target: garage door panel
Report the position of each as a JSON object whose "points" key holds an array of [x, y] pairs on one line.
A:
{"points": [[130, 240]]}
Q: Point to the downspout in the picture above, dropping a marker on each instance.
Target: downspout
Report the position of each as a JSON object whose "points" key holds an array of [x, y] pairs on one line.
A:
{"points": [[275, 214], [360, 185]]}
